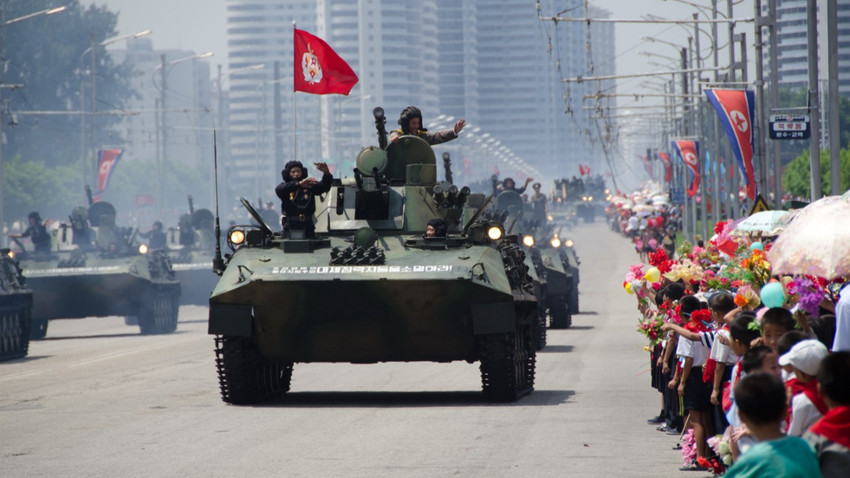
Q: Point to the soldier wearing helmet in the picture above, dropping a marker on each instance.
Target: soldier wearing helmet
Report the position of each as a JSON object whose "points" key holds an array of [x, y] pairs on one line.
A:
{"points": [[297, 193], [37, 233], [410, 123]]}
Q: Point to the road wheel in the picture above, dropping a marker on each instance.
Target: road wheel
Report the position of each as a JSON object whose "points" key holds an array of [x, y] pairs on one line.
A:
{"points": [[559, 313], [158, 313], [508, 363], [38, 329], [244, 375], [14, 333]]}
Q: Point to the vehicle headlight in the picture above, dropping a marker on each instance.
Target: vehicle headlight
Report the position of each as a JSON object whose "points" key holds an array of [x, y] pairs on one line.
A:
{"points": [[555, 242], [590, 198], [528, 240], [494, 233], [569, 243], [11, 254], [237, 237], [550, 218], [143, 249]]}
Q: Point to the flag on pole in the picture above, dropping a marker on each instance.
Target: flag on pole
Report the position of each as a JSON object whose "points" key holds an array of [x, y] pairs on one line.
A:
{"points": [[648, 166], [107, 159], [318, 68], [736, 111], [668, 169], [689, 154]]}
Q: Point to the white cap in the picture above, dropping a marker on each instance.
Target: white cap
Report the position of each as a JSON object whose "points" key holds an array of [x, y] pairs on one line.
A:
{"points": [[805, 355]]}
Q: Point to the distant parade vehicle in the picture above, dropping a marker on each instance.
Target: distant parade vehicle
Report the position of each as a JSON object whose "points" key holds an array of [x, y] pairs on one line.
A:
{"points": [[191, 247], [95, 269], [370, 285], [15, 309]]}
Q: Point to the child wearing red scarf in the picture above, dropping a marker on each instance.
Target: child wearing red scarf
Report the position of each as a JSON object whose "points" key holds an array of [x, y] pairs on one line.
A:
{"points": [[830, 436], [806, 406]]}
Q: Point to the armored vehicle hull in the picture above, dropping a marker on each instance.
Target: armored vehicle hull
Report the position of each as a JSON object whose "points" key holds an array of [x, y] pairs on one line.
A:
{"points": [[15, 310], [196, 278], [77, 280]]}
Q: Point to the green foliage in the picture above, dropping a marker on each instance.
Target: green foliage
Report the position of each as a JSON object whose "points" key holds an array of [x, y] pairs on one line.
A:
{"points": [[37, 186], [797, 175], [50, 56]]}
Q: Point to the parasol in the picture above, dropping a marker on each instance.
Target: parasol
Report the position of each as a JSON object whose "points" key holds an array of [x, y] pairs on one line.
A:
{"points": [[816, 241], [768, 223]]}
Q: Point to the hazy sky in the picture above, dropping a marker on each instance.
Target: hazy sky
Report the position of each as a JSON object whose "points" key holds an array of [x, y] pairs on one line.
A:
{"points": [[199, 25]]}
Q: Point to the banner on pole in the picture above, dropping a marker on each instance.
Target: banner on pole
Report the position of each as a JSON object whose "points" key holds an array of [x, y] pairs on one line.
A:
{"points": [[688, 151], [107, 159], [736, 111]]}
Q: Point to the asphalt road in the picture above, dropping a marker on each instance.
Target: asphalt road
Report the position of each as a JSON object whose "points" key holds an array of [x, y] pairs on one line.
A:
{"points": [[96, 399]]}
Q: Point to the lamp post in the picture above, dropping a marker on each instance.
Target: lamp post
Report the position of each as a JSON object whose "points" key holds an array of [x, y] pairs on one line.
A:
{"points": [[3, 24], [163, 68], [93, 111]]}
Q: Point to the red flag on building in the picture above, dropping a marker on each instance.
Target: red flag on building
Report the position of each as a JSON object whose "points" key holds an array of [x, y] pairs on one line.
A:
{"points": [[318, 69], [689, 153], [107, 159], [668, 170]]}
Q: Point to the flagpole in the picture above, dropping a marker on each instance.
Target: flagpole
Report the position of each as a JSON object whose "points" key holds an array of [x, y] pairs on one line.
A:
{"points": [[294, 113]]}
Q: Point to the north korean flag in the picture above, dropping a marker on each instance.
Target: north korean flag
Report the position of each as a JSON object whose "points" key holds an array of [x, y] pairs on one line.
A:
{"points": [[668, 169], [736, 111], [107, 159], [689, 154]]}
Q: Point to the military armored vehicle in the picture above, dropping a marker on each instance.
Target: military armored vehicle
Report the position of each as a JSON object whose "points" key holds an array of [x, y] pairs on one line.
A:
{"points": [[94, 269], [369, 287], [15, 309], [191, 247]]}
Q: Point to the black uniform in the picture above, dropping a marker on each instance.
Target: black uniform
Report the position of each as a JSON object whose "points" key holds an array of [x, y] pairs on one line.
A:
{"points": [[38, 234], [297, 203]]}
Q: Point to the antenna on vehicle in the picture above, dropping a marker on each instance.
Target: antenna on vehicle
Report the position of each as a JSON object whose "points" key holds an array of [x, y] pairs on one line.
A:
{"points": [[218, 262], [477, 214]]}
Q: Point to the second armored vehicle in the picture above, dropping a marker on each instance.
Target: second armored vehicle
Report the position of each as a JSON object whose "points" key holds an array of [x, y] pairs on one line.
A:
{"points": [[94, 269]]}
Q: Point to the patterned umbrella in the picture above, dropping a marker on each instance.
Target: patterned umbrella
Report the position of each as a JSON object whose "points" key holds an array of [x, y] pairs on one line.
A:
{"points": [[816, 241], [766, 222]]}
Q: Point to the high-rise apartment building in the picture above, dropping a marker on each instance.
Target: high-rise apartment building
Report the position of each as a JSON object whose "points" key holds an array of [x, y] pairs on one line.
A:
{"points": [[487, 61]]}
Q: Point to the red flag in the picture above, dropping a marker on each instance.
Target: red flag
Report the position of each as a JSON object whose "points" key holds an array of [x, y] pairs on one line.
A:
{"points": [[689, 153], [108, 158], [648, 166], [668, 170], [144, 200], [318, 69], [736, 111]]}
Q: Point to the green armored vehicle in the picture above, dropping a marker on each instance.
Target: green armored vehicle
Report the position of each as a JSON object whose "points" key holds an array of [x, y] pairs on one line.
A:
{"points": [[94, 269], [15, 309], [191, 247], [369, 287]]}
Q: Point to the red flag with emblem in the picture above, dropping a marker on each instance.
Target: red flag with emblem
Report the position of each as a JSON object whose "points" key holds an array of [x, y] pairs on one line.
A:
{"points": [[318, 68], [689, 154]]}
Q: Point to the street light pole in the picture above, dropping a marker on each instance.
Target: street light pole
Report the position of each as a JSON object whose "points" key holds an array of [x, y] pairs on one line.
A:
{"points": [[762, 142], [814, 108], [3, 24]]}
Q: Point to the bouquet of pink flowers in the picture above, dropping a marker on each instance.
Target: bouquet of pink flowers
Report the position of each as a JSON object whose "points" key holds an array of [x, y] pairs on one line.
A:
{"points": [[651, 327]]}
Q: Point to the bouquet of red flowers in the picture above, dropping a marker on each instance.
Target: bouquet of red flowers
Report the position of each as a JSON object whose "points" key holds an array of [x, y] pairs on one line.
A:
{"points": [[651, 327]]}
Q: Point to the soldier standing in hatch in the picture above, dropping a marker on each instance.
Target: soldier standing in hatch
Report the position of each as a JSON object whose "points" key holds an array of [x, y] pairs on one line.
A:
{"points": [[411, 124], [297, 193], [37, 233]]}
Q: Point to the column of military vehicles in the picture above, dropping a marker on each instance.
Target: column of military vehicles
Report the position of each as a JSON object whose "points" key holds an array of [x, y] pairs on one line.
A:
{"points": [[370, 287]]}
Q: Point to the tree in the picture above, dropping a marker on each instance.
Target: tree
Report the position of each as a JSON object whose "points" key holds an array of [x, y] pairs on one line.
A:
{"points": [[797, 174], [50, 56]]}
